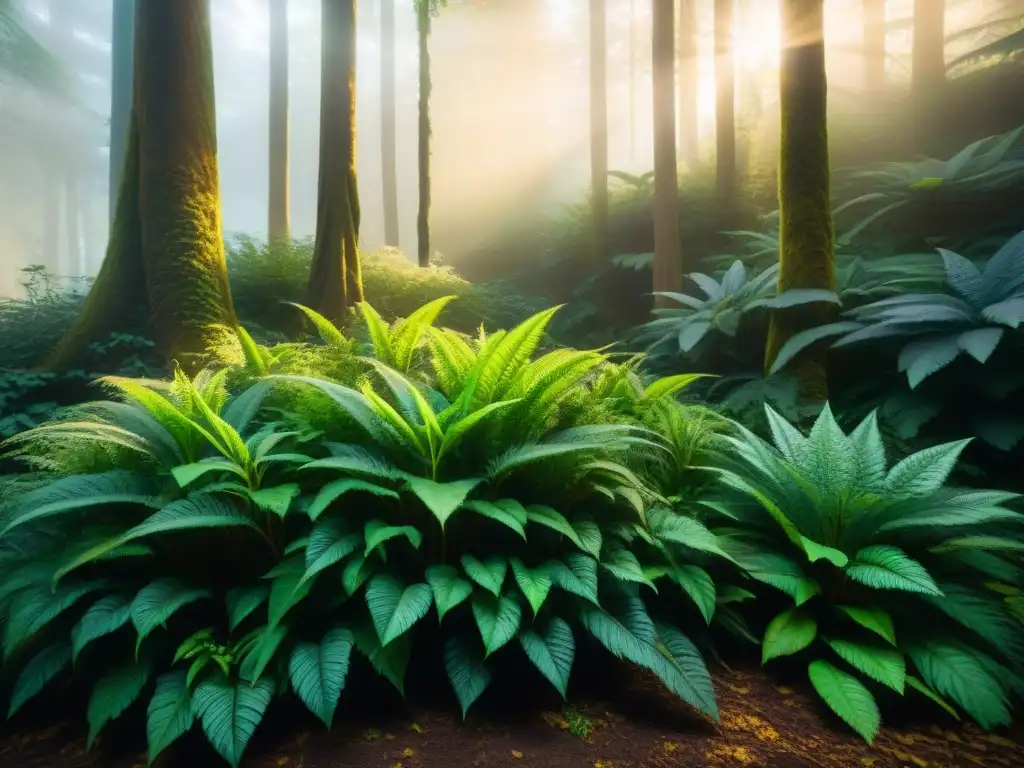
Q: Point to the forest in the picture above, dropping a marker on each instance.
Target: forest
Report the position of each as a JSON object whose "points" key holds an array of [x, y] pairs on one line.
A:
{"points": [[567, 383]]}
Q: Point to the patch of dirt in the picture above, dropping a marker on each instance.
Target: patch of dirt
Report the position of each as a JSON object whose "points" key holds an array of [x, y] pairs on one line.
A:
{"points": [[764, 725]]}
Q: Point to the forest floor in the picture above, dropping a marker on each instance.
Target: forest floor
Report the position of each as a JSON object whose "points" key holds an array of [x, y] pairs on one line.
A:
{"points": [[764, 725]]}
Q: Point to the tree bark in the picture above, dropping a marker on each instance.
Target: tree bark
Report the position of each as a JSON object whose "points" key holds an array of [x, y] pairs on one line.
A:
{"points": [[725, 107], [388, 129], [335, 280], [668, 262], [166, 251], [423, 216], [278, 225], [874, 46], [122, 53], [688, 58], [806, 247], [599, 130]]}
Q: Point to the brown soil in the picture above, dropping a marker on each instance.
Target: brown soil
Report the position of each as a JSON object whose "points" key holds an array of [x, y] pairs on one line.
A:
{"points": [[763, 724]]}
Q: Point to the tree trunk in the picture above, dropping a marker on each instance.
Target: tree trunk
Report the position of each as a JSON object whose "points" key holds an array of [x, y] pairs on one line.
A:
{"points": [[599, 130], [166, 250], [423, 216], [668, 262], [688, 58], [874, 46], [72, 228], [388, 129], [725, 108], [806, 248], [122, 46], [335, 281], [278, 228]]}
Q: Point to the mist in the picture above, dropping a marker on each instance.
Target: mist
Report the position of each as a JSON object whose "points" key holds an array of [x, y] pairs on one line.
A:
{"points": [[509, 114]]}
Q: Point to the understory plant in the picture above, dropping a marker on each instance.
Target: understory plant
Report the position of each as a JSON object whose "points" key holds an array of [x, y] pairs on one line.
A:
{"points": [[887, 570], [187, 550]]}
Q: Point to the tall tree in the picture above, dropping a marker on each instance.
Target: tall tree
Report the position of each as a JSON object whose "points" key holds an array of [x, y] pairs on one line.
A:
{"points": [[668, 261], [121, 55], [426, 10], [278, 226], [388, 129], [806, 245], [874, 52], [725, 107], [688, 58], [599, 129], [335, 280], [165, 258]]}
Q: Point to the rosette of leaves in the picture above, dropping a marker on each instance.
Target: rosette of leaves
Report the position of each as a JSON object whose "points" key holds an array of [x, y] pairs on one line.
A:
{"points": [[721, 309], [886, 568]]}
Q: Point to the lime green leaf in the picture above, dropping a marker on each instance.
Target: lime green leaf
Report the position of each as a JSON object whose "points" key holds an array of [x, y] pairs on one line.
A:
{"points": [[490, 574], [847, 697], [377, 532], [449, 588], [242, 601], [552, 652], [106, 615], [395, 608], [884, 665], [876, 620], [443, 499], [230, 713], [334, 490], [816, 551], [43, 667], [157, 602], [788, 633], [498, 514], [277, 499], [186, 474], [535, 583], [698, 584], [169, 716], [466, 671], [114, 693], [497, 618], [318, 672], [886, 567]]}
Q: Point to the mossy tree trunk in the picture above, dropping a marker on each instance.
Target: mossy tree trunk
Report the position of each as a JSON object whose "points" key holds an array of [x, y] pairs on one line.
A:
{"points": [[166, 251], [423, 18], [725, 108], [335, 280], [688, 59], [122, 53], [277, 199], [668, 261], [388, 128], [599, 131], [806, 248]]}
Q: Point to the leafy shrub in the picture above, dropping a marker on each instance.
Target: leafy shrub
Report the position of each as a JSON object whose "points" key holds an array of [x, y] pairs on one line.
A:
{"points": [[884, 567], [187, 548]]}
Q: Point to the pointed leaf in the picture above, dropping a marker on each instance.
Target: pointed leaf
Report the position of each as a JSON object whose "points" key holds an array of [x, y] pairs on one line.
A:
{"points": [[318, 672], [847, 697], [552, 652], [230, 713], [449, 588], [395, 608], [466, 671], [788, 633]]}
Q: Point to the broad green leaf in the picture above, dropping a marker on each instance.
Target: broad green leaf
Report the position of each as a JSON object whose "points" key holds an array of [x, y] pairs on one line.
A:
{"points": [[847, 697], [169, 716], [589, 534], [681, 668], [330, 542], [449, 588], [442, 499], [924, 472], [106, 615], [623, 565], [277, 499], [186, 474], [887, 567], [816, 551], [35, 675], [31, 610], [788, 633], [497, 618], [556, 521], [534, 582], [266, 643], [318, 672], [878, 621], [287, 588], [467, 671], [924, 690], [498, 514], [551, 651], [669, 526], [884, 665], [389, 661], [355, 573], [157, 602], [489, 574], [377, 532], [961, 673], [114, 693], [335, 489], [394, 607], [576, 574], [698, 584], [230, 713], [242, 601]]}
